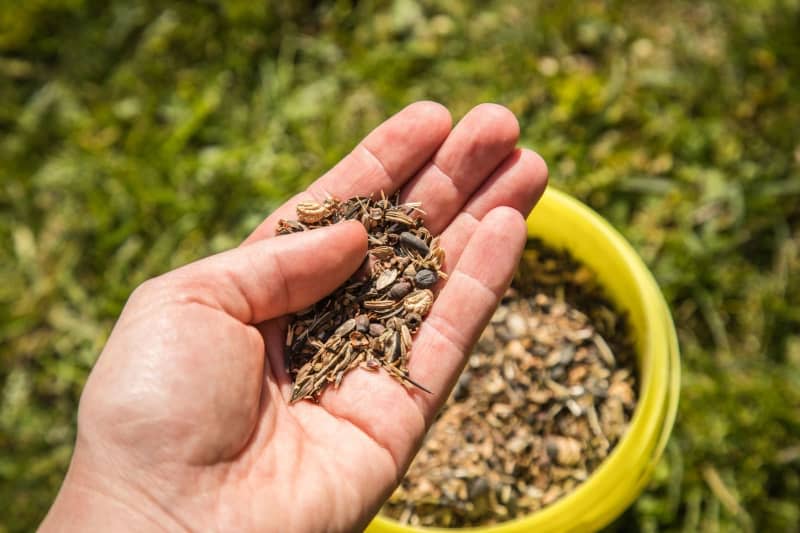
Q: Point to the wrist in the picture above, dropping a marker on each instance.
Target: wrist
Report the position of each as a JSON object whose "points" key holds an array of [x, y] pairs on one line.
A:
{"points": [[91, 502]]}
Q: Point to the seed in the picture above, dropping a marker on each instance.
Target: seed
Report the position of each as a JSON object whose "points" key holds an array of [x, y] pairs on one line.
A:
{"points": [[426, 278], [289, 226], [345, 328], [399, 217], [393, 347], [418, 302], [413, 320], [517, 326], [564, 450], [415, 243], [358, 340], [375, 329], [478, 488], [379, 305], [386, 278], [399, 290], [405, 337], [382, 252], [310, 212], [362, 323]]}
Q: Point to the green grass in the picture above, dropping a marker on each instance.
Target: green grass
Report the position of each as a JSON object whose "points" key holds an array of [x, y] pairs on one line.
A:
{"points": [[136, 136]]}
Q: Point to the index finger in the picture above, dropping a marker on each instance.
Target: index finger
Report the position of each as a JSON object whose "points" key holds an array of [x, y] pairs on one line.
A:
{"points": [[388, 157]]}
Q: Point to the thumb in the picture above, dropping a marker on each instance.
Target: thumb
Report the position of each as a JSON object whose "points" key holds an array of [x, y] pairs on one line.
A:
{"points": [[275, 276]]}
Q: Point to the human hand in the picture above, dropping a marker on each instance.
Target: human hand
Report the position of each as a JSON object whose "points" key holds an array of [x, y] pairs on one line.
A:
{"points": [[184, 423]]}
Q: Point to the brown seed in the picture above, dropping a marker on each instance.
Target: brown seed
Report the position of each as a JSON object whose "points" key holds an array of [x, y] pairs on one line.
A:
{"points": [[382, 252], [564, 450], [310, 212], [405, 337], [399, 290], [358, 340], [393, 347], [379, 305], [362, 323], [395, 215], [418, 302], [375, 329], [289, 226]]}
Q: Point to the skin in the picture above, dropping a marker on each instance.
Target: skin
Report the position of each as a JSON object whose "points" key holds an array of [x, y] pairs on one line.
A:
{"points": [[184, 423]]}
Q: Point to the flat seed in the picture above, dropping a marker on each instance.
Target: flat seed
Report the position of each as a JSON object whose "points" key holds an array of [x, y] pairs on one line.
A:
{"points": [[345, 328], [386, 278], [379, 304]]}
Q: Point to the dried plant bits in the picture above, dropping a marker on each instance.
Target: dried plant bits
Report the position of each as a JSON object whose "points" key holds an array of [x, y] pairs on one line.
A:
{"points": [[546, 395], [371, 319]]}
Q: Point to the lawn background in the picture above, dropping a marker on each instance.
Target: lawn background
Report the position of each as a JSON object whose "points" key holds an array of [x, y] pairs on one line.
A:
{"points": [[138, 135]]}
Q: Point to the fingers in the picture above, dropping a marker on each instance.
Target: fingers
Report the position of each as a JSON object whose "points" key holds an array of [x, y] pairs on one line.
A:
{"points": [[476, 146], [465, 304], [383, 161], [272, 277], [517, 183]]}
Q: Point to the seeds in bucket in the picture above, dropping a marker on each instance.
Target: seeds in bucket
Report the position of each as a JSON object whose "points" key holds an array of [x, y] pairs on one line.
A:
{"points": [[370, 320], [546, 395]]}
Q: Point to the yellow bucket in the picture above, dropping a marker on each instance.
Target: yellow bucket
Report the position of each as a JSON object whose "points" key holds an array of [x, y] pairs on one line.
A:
{"points": [[563, 222]]}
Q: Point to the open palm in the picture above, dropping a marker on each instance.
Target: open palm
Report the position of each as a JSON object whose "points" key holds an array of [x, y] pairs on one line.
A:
{"points": [[185, 423]]}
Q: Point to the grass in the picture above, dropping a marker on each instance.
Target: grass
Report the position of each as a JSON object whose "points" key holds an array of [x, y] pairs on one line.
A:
{"points": [[136, 136]]}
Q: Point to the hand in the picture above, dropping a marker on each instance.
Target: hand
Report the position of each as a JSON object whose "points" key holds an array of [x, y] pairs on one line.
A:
{"points": [[185, 423]]}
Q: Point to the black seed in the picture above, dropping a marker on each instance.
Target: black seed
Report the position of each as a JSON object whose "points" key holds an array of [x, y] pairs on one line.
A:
{"points": [[415, 243], [426, 278]]}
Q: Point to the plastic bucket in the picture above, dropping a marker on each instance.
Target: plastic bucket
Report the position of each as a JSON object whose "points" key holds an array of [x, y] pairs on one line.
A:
{"points": [[563, 222]]}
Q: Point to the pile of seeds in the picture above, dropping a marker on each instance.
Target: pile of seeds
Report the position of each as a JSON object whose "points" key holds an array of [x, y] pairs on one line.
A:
{"points": [[545, 396], [369, 321]]}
